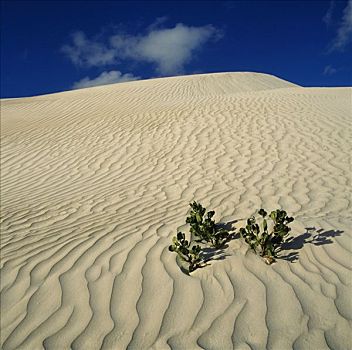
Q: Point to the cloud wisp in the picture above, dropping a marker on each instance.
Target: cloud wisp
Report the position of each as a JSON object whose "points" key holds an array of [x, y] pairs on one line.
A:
{"points": [[329, 70], [107, 77], [344, 32], [88, 52], [327, 19], [168, 49]]}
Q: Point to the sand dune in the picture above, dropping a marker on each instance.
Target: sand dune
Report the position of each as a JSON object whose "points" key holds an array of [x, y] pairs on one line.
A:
{"points": [[95, 182]]}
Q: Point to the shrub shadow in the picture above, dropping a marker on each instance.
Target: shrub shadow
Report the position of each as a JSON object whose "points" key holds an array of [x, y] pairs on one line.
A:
{"points": [[226, 225], [211, 254], [311, 236], [208, 254]]}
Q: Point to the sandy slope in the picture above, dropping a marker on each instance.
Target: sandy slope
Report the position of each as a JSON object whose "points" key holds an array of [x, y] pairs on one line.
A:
{"points": [[95, 182]]}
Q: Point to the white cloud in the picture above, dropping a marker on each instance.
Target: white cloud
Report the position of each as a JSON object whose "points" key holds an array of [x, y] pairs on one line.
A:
{"points": [[327, 19], [105, 78], [329, 70], [344, 32], [85, 52], [169, 49], [158, 21]]}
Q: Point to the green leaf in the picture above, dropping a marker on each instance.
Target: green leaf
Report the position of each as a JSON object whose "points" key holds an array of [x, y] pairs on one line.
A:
{"points": [[198, 218], [180, 236], [262, 212], [265, 225], [211, 214], [183, 250]]}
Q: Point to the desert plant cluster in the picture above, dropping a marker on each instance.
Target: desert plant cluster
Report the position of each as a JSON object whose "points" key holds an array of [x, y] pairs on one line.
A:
{"points": [[204, 230], [203, 227], [264, 237], [265, 241]]}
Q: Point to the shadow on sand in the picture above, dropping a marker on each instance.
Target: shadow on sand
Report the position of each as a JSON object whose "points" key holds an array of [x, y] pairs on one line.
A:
{"points": [[210, 253], [311, 236]]}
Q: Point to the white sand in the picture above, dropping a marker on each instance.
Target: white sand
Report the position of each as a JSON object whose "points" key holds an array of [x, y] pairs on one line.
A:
{"points": [[95, 183]]}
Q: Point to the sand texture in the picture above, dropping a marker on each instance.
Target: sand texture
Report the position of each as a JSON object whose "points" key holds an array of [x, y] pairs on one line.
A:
{"points": [[95, 182]]}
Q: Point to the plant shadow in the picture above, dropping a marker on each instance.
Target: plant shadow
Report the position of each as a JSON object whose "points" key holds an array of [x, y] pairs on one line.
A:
{"points": [[311, 236], [211, 253], [208, 254], [228, 226], [291, 246]]}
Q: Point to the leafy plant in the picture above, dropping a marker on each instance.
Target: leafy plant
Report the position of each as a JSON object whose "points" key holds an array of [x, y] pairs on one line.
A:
{"points": [[204, 228], [265, 242], [182, 247]]}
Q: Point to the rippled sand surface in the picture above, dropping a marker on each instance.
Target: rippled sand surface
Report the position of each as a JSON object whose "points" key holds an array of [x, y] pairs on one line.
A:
{"points": [[95, 182]]}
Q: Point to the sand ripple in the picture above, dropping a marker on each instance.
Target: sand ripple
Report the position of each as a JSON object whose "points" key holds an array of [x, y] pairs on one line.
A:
{"points": [[95, 183]]}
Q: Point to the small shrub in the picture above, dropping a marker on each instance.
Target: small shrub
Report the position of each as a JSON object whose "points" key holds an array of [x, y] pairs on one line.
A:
{"points": [[182, 247], [267, 243], [203, 227]]}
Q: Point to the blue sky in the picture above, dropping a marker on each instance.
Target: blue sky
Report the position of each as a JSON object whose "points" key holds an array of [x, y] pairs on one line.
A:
{"points": [[49, 46]]}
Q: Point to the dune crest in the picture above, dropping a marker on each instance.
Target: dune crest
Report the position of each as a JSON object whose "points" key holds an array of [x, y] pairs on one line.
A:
{"points": [[95, 182]]}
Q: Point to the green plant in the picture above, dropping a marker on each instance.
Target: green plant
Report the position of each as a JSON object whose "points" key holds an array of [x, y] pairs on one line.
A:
{"points": [[203, 227], [189, 254], [267, 243]]}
